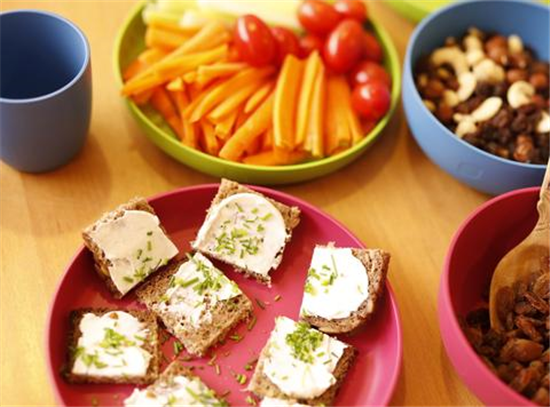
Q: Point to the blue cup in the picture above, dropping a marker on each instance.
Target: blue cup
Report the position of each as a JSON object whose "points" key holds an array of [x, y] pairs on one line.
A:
{"points": [[45, 90]]}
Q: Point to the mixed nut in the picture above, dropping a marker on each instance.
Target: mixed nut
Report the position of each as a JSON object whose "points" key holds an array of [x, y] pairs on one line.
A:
{"points": [[519, 355], [492, 92]]}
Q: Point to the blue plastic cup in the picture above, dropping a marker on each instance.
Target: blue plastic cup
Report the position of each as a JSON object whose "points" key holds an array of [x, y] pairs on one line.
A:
{"points": [[45, 90]]}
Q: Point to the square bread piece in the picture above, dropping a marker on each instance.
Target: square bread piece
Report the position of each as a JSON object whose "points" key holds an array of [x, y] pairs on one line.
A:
{"points": [[247, 230], [198, 304], [176, 386], [128, 244], [343, 288], [112, 346], [301, 365]]}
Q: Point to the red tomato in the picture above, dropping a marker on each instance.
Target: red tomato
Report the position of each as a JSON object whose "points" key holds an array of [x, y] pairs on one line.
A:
{"points": [[368, 71], [311, 43], [318, 17], [344, 46], [286, 43], [371, 100], [254, 41], [355, 9], [371, 48]]}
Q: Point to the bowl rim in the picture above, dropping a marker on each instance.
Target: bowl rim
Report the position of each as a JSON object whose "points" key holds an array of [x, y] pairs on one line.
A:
{"points": [[409, 79], [448, 316], [392, 58]]}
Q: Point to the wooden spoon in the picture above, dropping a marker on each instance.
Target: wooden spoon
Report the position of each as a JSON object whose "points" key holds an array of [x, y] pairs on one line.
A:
{"points": [[523, 260]]}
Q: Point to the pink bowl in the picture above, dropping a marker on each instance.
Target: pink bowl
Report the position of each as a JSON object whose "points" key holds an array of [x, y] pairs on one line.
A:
{"points": [[481, 241]]}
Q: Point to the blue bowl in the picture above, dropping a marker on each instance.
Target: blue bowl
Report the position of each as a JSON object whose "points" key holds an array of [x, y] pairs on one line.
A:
{"points": [[477, 168]]}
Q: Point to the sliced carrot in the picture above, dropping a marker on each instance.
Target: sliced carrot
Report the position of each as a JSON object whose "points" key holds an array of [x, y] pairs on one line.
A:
{"points": [[267, 140], [189, 131], [143, 97], [142, 62], [151, 56], [234, 101], [256, 124], [169, 26], [270, 158], [258, 97], [242, 117], [164, 39], [175, 85], [162, 103], [223, 127], [211, 143], [355, 126], [207, 73], [285, 103], [337, 130], [313, 64], [190, 77], [314, 135], [133, 69], [254, 146]]}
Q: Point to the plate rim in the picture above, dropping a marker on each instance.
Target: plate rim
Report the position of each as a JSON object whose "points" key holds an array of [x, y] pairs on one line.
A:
{"points": [[394, 307]]}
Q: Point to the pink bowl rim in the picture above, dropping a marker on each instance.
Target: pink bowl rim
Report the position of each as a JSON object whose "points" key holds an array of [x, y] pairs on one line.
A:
{"points": [[386, 398], [446, 309]]}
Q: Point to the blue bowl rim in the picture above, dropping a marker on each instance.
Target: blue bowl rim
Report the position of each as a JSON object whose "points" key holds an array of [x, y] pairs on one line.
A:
{"points": [[408, 76]]}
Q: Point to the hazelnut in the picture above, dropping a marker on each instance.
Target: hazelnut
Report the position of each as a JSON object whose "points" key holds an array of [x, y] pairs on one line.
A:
{"points": [[524, 148], [496, 41], [514, 75], [444, 113], [539, 81], [498, 54], [434, 89]]}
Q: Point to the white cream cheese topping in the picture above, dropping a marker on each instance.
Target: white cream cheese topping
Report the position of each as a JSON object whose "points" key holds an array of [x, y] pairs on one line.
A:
{"points": [[300, 360], [336, 285], [245, 230], [194, 289], [111, 345], [178, 391], [135, 246], [273, 402]]}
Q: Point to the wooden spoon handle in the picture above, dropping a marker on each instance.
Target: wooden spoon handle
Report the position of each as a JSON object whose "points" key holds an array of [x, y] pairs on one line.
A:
{"points": [[543, 205]]}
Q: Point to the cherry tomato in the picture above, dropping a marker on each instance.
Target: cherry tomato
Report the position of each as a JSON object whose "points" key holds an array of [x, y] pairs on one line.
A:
{"points": [[371, 100], [368, 71], [318, 17], [254, 41], [344, 46], [311, 43], [286, 43], [355, 9], [371, 48]]}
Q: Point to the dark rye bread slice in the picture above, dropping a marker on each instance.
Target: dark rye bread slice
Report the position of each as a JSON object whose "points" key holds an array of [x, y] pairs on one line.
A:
{"points": [[100, 262], [262, 386], [225, 314], [290, 214], [376, 263], [151, 345]]}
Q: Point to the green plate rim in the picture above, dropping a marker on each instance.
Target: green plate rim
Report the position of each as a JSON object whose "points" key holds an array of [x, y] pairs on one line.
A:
{"points": [[395, 71]]}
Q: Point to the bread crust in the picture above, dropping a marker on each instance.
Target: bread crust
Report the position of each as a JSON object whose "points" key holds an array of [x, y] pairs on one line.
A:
{"points": [[101, 263], [225, 314], [376, 262], [151, 345], [290, 214]]}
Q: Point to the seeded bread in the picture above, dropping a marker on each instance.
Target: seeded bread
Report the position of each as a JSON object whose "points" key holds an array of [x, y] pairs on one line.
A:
{"points": [[100, 262], [262, 386], [290, 214], [376, 263], [225, 314], [151, 345]]}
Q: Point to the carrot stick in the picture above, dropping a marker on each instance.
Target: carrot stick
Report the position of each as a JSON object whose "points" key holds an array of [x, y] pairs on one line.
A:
{"points": [[175, 85], [258, 97], [337, 131], [267, 140], [162, 103], [142, 62], [188, 130], [270, 158], [313, 65], [168, 26], [285, 103], [224, 126], [151, 56], [355, 127], [314, 135], [164, 39], [211, 143], [234, 101], [254, 146], [256, 124], [206, 73], [143, 97]]}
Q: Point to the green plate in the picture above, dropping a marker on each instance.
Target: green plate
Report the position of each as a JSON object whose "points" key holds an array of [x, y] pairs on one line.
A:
{"points": [[130, 42]]}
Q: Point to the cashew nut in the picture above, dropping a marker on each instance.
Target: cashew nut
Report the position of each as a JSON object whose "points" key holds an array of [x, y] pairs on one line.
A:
{"points": [[543, 126], [487, 110], [489, 71], [430, 105], [515, 44], [520, 93], [467, 82], [465, 127], [472, 42], [476, 32], [474, 56], [450, 98], [452, 56], [423, 80]]}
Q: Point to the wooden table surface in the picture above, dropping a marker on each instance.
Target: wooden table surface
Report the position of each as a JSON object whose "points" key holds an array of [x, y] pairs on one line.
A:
{"points": [[393, 197]]}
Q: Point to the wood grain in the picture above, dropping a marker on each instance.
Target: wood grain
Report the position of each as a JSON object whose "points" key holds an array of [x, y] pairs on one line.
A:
{"points": [[393, 197]]}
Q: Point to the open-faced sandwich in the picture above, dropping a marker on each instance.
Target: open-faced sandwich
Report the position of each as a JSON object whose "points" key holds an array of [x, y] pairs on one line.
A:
{"points": [[343, 287], [128, 245], [301, 364], [246, 230], [112, 346], [198, 304]]}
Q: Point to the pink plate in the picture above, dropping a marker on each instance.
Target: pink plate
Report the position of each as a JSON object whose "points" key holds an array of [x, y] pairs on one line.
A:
{"points": [[371, 380]]}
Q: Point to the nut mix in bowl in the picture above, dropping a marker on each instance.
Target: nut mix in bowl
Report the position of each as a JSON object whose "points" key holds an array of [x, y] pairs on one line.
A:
{"points": [[519, 356], [491, 91]]}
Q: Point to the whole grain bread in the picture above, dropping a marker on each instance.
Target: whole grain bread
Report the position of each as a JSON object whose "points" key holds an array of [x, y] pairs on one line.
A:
{"points": [[151, 345], [225, 314], [290, 214], [262, 386], [376, 263], [101, 263]]}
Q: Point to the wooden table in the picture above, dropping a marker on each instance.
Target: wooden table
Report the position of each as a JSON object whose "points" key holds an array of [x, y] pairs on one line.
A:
{"points": [[393, 197]]}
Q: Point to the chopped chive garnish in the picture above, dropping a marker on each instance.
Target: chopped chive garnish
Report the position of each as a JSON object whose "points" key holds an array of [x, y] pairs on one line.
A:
{"points": [[128, 279], [217, 369], [139, 253], [149, 233], [236, 337], [267, 216], [149, 245], [239, 207], [251, 401], [178, 348], [241, 378], [252, 323], [277, 298], [212, 360], [260, 303]]}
